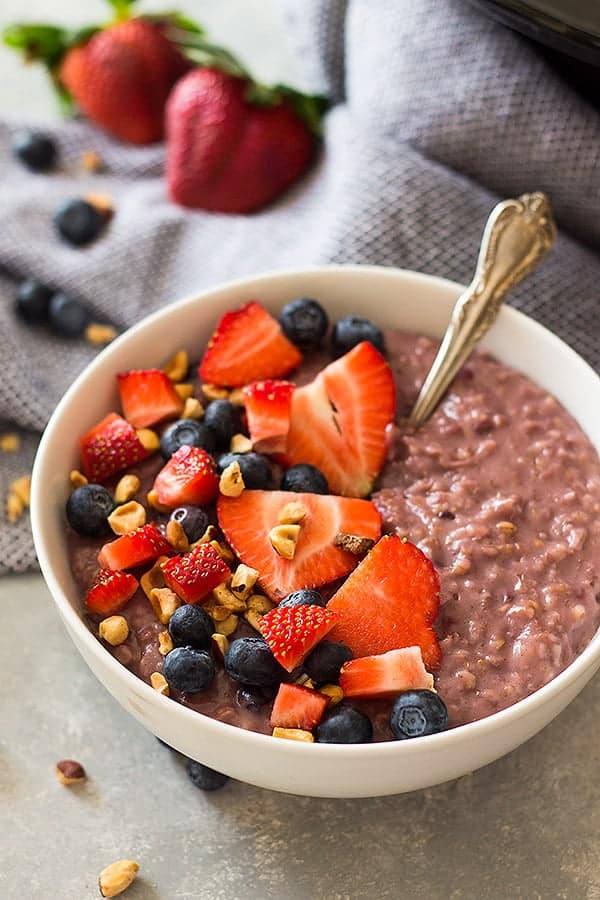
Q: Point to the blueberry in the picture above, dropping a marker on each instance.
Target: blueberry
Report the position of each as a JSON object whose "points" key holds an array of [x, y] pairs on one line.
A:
{"points": [[250, 661], [325, 661], [304, 479], [192, 627], [87, 510], [304, 597], [78, 221], [186, 432], [345, 725], [192, 519], [255, 469], [204, 778], [251, 698], [68, 316], [417, 713], [304, 322], [350, 331], [224, 419], [35, 150], [188, 669], [32, 300]]}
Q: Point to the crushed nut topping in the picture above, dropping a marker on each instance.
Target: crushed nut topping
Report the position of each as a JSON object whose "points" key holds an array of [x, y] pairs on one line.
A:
{"points": [[212, 392], [14, 507], [185, 391], [17, 498], [225, 597], [228, 625], [22, 488], [223, 550], [127, 517], [160, 683], [154, 577], [69, 771], [506, 527], [283, 539], [102, 203], [127, 488], [192, 409], [240, 444], [99, 334], [243, 580], [117, 877], [10, 442], [260, 604], [77, 478], [91, 161], [165, 643], [114, 630], [220, 645], [164, 603], [149, 439], [237, 397], [253, 618], [333, 691], [154, 502], [292, 513], [231, 482], [293, 734], [176, 536], [177, 367], [353, 543], [214, 609]]}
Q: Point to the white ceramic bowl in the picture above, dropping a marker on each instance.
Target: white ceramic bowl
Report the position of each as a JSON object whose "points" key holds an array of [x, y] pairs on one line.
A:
{"points": [[393, 298]]}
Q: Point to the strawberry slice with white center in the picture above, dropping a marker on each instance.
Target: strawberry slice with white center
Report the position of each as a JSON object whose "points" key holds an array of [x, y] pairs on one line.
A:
{"points": [[292, 631], [110, 592], [188, 479], [247, 345], [268, 407], [338, 421], [195, 574], [298, 707], [109, 447], [148, 396], [247, 520], [143, 545], [385, 674]]}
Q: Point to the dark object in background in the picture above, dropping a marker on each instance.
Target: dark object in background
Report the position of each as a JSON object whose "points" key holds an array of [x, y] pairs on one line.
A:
{"points": [[204, 778], [78, 222], [32, 301], [35, 150], [68, 316]]}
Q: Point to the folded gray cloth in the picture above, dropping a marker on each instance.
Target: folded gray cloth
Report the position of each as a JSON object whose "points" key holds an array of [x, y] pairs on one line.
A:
{"points": [[438, 112]]}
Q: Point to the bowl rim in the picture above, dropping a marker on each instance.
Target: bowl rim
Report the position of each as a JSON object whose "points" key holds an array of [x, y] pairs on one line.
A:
{"points": [[218, 729]]}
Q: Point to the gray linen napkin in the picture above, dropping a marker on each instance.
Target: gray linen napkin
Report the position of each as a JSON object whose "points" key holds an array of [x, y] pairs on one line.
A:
{"points": [[438, 113]]}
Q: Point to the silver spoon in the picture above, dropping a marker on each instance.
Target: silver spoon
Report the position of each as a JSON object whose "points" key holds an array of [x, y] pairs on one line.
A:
{"points": [[517, 236]]}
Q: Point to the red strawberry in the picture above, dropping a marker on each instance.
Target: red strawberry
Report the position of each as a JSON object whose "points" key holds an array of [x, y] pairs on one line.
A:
{"points": [[110, 592], [141, 546], [268, 405], [227, 154], [247, 345], [391, 600], [110, 446], [194, 575], [189, 477], [292, 631], [339, 420], [386, 674], [247, 520], [147, 397], [298, 707]]}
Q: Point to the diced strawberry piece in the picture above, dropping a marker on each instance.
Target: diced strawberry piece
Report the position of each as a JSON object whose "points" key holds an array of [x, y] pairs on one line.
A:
{"points": [[195, 574], [292, 631], [386, 674], [110, 592], [189, 478], [298, 707], [338, 421], [141, 546], [268, 407], [109, 447], [247, 520], [247, 345], [390, 601], [147, 397]]}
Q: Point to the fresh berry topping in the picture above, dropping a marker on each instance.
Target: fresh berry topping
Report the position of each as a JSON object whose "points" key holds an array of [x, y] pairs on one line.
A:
{"points": [[255, 469], [204, 778], [194, 575], [78, 221], [248, 345], [386, 674], [339, 421], [110, 446], [32, 301], [188, 478], [193, 520], [144, 545], [37, 151], [304, 478], [190, 626], [253, 698], [345, 725], [304, 322], [247, 520], [88, 508], [303, 597], [68, 316], [417, 713], [352, 330], [390, 601], [147, 397], [187, 669], [268, 406], [186, 433], [292, 632], [250, 661], [298, 707], [224, 420], [110, 592], [323, 664]]}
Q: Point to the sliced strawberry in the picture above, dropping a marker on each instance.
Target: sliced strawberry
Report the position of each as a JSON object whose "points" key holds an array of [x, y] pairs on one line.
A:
{"points": [[247, 520], [189, 478], [247, 345], [194, 575], [338, 421], [141, 546], [298, 707], [391, 600], [292, 631], [110, 592], [386, 674], [147, 397], [268, 406], [110, 446]]}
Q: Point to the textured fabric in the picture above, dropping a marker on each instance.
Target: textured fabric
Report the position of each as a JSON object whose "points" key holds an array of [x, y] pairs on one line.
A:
{"points": [[438, 113]]}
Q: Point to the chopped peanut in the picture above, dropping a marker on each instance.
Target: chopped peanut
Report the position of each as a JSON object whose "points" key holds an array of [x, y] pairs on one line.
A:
{"points": [[176, 536], [283, 539], [333, 691], [228, 599], [261, 605], [165, 643], [220, 645], [77, 478], [154, 502], [159, 683], [208, 537], [164, 603], [117, 877], [243, 580], [214, 609], [102, 203], [177, 367], [22, 488], [292, 514], [149, 439], [10, 443], [223, 550], [353, 543], [237, 397], [114, 630], [253, 618], [227, 626], [231, 482], [293, 734], [127, 517], [127, 488], [240, 444], [154, 577], [185, 391], [212, 392], [192, 409], [99, 334]]}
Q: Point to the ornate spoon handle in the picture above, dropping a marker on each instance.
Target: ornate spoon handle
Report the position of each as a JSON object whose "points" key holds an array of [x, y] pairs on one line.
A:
{"points": [[517, 235]]}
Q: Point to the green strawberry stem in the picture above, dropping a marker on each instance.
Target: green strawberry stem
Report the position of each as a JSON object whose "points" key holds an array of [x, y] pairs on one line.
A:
{"points": [[121, 8]]}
